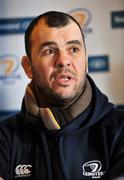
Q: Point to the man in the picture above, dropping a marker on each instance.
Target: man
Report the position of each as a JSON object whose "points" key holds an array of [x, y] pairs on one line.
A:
{"points": [[66, 129]]}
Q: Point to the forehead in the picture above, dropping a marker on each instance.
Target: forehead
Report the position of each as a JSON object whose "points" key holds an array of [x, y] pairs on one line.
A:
{"points": [[42, 32]]}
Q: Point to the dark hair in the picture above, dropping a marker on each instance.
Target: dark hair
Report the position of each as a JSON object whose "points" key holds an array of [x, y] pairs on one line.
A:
{"points": [[52, 19]]}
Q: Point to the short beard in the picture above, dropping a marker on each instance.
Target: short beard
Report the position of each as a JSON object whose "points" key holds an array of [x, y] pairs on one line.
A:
{"points": [[46, 97]]}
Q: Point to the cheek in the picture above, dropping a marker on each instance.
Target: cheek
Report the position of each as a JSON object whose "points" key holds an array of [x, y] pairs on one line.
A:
{"points": [[42, 71], [81, 67]]}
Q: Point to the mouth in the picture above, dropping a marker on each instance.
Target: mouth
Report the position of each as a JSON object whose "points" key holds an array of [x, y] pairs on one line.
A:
{"points": [[64, 79]]}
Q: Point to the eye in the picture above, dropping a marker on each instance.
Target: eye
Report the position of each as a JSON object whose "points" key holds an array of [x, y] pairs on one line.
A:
{"points": [[49, 51], [74, 50]]}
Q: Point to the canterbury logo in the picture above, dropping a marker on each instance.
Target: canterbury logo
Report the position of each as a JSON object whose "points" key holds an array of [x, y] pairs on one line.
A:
{"points": [[23, 170]]}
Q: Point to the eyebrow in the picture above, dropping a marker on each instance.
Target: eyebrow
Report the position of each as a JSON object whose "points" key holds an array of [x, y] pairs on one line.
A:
{"points": [[77, 42], [48, 43]]}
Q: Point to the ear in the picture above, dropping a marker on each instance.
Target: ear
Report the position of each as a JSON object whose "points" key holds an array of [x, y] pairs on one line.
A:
{"points": [[26, 64]]}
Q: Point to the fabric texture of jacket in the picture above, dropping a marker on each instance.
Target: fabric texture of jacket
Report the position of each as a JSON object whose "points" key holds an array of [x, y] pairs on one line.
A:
{"points": [[89, 147]]}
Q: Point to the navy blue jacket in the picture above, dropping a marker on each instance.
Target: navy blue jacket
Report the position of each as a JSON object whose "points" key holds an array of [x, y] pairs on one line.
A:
{"points": [[89, 147]]}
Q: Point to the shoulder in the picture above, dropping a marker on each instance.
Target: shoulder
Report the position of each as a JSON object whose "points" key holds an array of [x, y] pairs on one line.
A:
{"points": [[113, 122], [115, 118], [10, 121], [10, 126]]}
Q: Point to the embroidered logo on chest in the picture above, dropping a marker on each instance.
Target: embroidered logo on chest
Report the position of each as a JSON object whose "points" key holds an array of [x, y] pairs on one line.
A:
{"points": [[23, 170], [93, 169]]}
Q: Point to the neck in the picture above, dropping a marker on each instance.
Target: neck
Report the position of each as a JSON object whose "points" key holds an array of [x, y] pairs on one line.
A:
{"points": [[80, 104]]}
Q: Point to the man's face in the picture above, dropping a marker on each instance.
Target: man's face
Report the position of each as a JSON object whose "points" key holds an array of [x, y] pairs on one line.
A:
{"points": [[58, 62]]}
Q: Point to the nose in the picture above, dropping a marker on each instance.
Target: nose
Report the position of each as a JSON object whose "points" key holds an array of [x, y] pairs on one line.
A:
{"points": [[62, 60]]}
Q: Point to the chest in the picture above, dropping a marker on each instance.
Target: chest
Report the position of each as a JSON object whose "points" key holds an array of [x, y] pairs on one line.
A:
{"points": [[82, 155]]}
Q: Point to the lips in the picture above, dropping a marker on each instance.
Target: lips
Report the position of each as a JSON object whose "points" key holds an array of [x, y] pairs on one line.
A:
{"points": [[64, 77]]}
